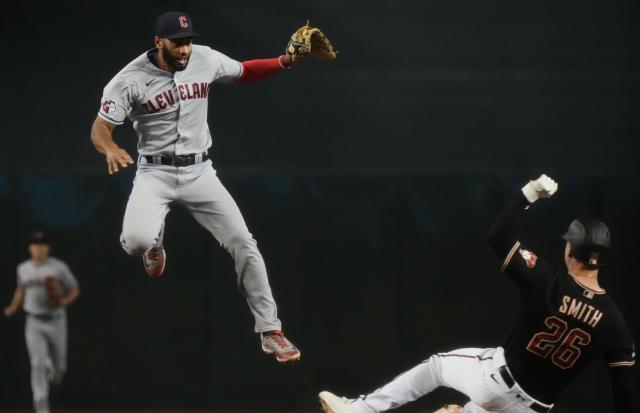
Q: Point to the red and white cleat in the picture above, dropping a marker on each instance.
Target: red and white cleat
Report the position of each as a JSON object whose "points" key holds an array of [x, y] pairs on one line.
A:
{"points": [[154, 260], [274, 342]]}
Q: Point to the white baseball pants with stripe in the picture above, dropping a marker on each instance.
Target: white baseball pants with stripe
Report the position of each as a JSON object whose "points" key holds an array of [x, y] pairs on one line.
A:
{"points": [[472, 371], [198, 189]]}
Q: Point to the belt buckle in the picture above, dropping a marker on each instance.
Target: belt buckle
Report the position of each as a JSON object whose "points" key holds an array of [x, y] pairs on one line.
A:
{"points": [[176, 161]]}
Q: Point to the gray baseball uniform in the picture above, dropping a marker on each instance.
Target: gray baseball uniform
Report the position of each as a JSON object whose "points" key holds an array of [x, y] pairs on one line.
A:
{"points": [[46, 325], [169, 114]]}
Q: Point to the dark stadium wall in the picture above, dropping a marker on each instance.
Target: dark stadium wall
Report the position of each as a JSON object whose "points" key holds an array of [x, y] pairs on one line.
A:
{"points": [[372, 274], [419, 86]]}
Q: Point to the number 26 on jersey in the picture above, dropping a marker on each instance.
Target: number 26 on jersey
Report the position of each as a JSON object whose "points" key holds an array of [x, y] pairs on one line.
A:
{"points": [[563, 346]]}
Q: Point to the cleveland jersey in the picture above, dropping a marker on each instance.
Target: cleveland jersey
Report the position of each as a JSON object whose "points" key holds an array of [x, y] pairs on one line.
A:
{"points": [[561, 327], [31, 279], [168, 111]]}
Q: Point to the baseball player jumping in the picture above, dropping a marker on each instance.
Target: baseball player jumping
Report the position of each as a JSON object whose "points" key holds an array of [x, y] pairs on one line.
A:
{"points": [[565, 322], [164, 93], [45, 287]]}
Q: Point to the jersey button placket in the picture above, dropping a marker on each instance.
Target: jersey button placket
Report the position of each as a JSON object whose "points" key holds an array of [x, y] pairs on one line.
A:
{"points": [[181, 113]]}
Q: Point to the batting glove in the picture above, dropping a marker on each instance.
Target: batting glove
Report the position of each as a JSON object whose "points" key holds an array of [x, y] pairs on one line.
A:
{"points": [[542, 187]]}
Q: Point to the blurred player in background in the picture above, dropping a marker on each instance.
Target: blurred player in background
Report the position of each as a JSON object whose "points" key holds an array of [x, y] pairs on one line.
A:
{"points": [[45, 286], [565, 322]]}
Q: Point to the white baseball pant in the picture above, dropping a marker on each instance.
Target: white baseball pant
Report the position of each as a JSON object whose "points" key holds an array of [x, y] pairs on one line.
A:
{"points": [[47, 345], [197, 188], [472, 371]]}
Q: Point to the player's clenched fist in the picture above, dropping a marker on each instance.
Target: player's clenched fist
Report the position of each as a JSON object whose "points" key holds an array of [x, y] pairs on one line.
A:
{"points": [[542, 187], [117, 158]]}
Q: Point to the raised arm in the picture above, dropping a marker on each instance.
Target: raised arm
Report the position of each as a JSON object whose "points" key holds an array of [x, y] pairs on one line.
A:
{"points": [[258, 69], [102, 139], [306, 41], [16, 302], [502, 235]]}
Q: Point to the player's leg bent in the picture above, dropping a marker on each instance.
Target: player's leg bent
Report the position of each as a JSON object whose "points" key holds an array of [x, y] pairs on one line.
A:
{"points": [[143, 223], [463, 370], [404, 388], [136, 240], [475, 372], [148, 205], [459, 369]]}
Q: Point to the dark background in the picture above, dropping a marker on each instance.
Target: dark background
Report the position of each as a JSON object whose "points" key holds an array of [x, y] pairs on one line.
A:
{"points": [[369, 182]]}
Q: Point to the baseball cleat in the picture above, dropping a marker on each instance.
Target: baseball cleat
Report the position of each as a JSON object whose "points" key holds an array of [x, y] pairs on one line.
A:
{"points": [[334, 404], [450, 408], [154, 260], [274, 342]]}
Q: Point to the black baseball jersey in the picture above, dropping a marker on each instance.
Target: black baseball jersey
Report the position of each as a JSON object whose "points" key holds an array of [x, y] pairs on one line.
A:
{"points": [[561, 326]]}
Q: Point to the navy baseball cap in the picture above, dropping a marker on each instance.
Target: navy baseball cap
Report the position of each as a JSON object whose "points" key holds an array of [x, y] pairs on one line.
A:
{"points": [[174, 25], [39, 237]]}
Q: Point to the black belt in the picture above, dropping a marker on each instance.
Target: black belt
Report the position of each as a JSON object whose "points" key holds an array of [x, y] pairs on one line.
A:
{"points": [[178, 160], [45, 316], [510, 382]]}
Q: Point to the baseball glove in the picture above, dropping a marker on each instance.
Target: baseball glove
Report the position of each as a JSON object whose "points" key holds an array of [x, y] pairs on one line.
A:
{"points": [[53, 289], [310, 41]]}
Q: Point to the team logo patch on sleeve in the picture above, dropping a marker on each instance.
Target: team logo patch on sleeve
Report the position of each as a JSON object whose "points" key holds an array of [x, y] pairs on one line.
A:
{"points": [[529, 257], [108, 106]]}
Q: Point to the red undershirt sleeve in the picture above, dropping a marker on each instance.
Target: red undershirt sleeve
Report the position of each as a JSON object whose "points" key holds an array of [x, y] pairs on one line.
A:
{"points": [[259, 69]]}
